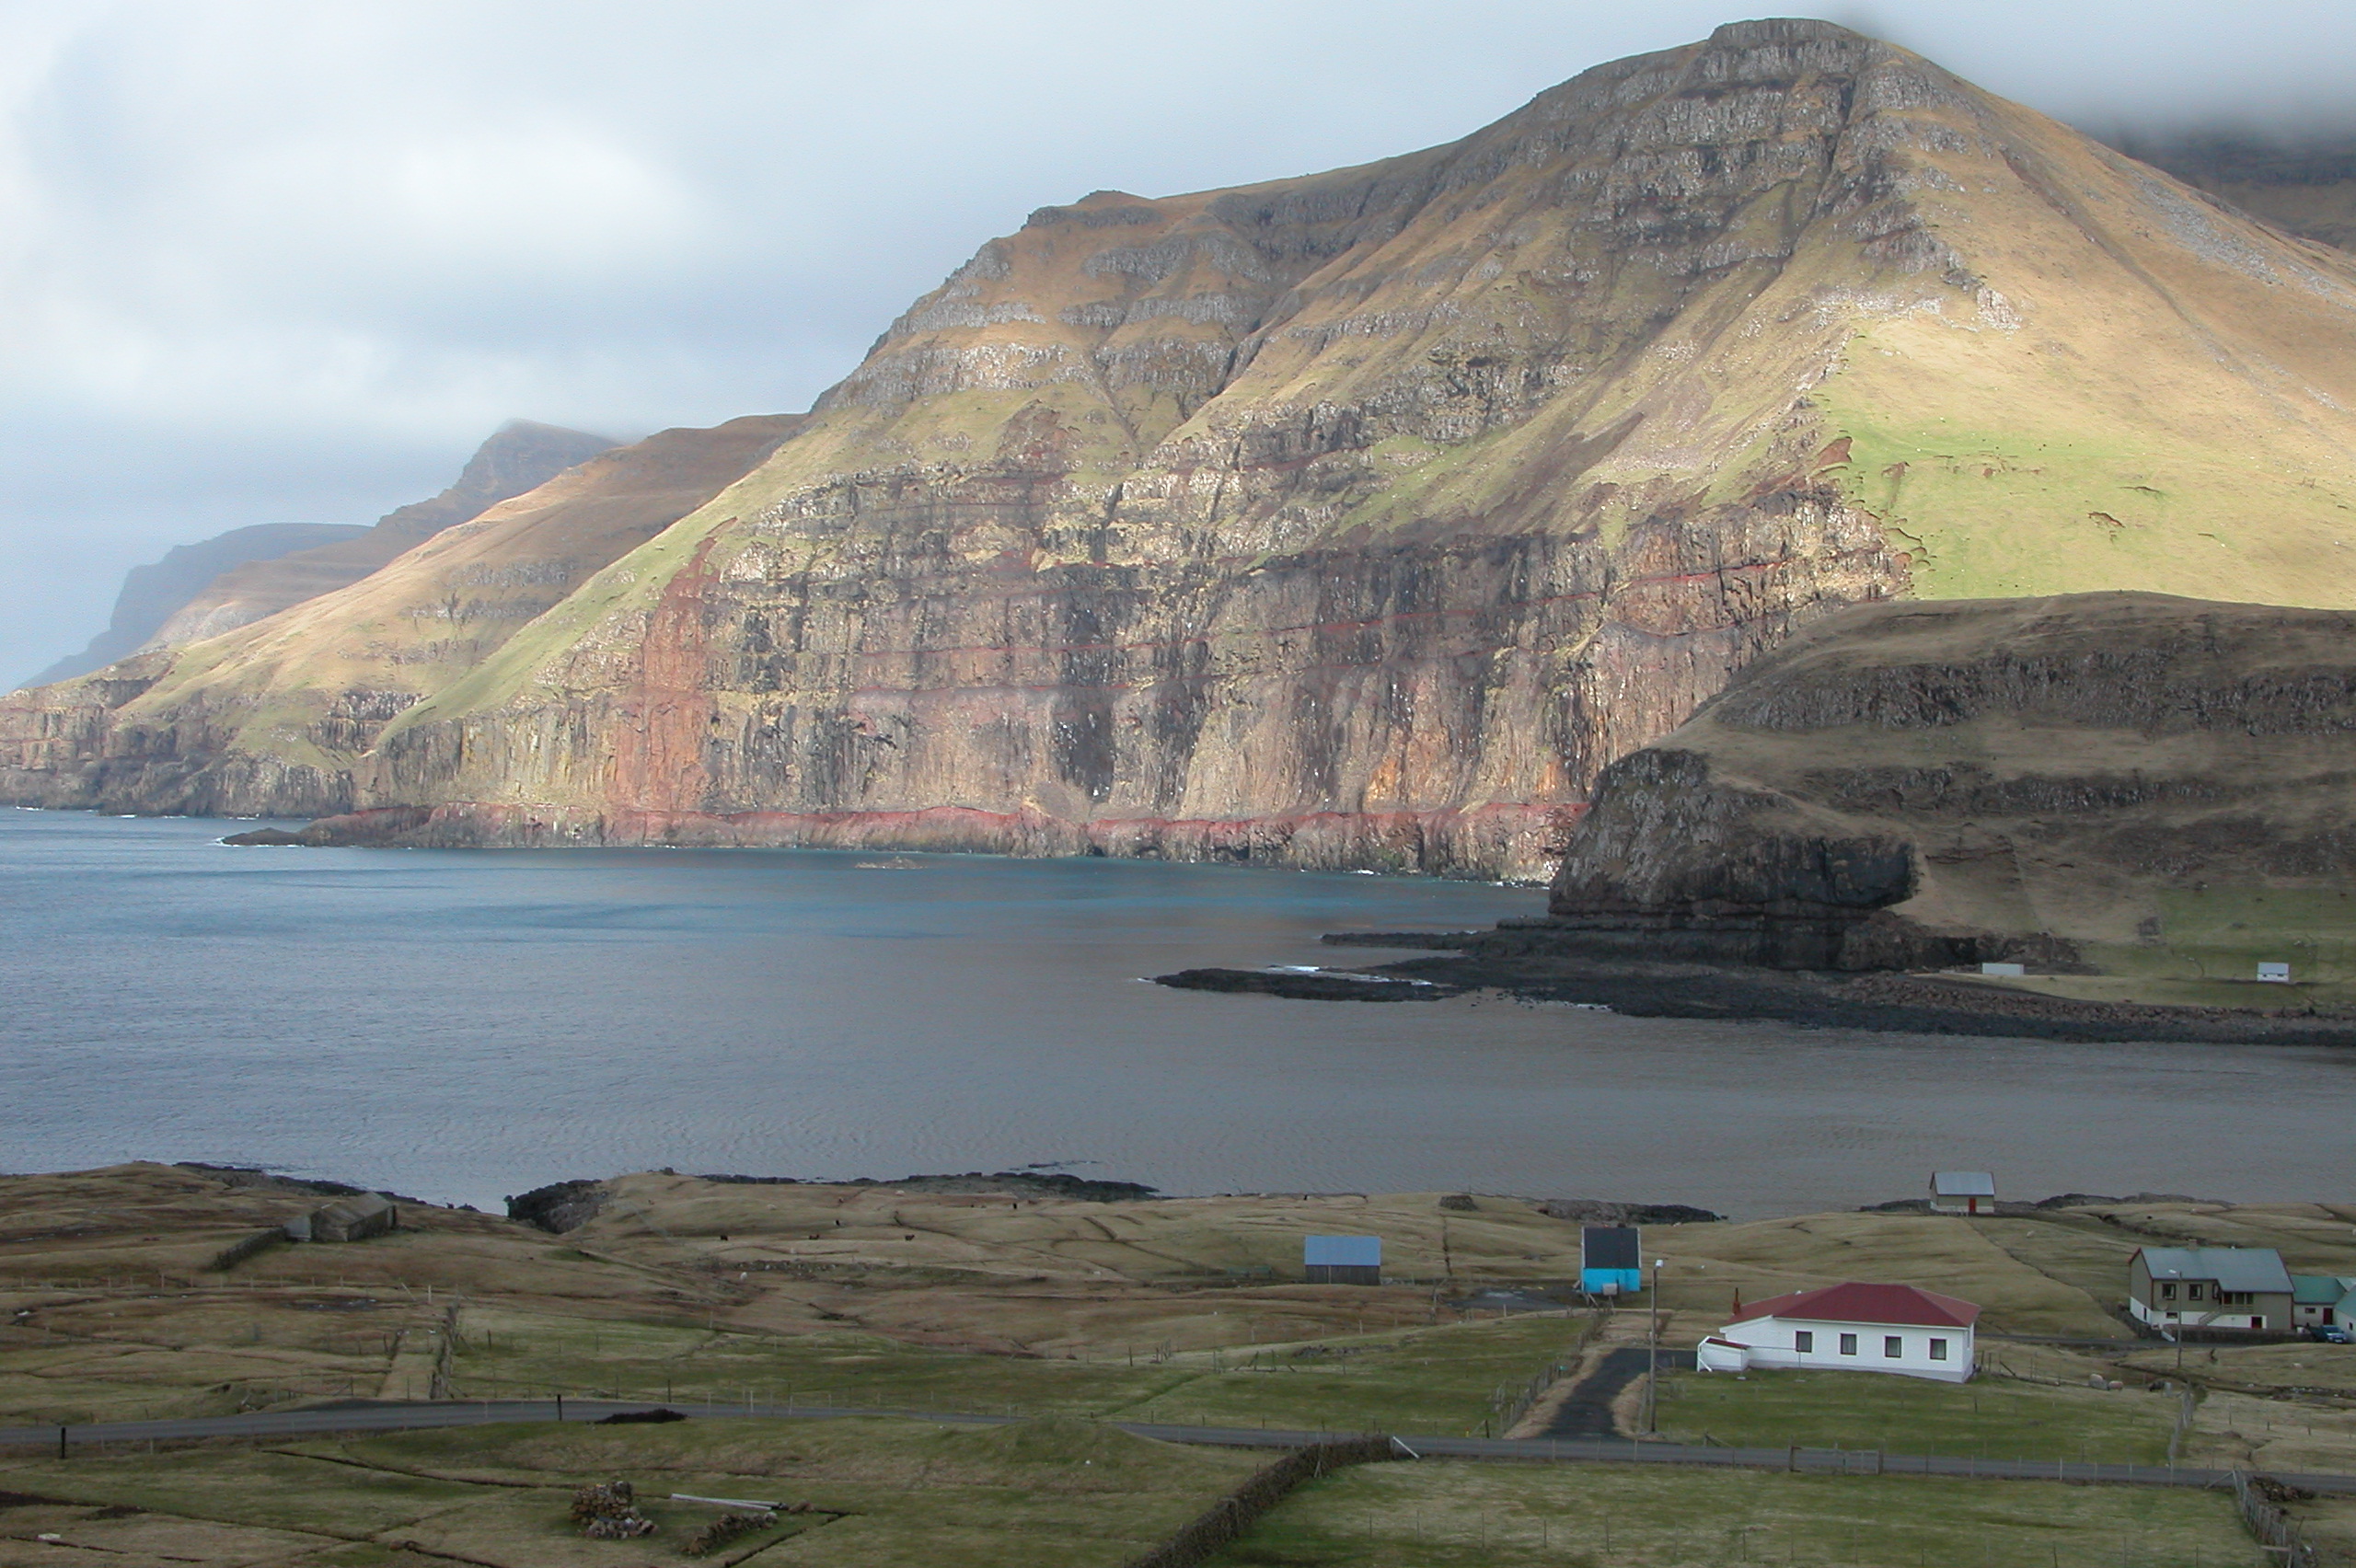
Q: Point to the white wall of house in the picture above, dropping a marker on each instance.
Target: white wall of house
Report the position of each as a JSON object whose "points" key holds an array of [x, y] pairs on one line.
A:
{"points": [[1800, 1344], [2202, 1315]]}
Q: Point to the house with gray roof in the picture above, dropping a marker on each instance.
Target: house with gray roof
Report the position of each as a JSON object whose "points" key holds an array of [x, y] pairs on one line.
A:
{"points": [[2240, 1289], [2320, 1301], [1963, 1192]]}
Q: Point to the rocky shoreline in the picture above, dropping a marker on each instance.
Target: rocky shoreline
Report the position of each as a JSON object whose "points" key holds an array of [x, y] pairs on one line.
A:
{"points": [[1889, 1002]]}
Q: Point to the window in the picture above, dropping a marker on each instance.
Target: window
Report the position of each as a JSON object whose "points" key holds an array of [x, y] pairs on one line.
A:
{"points": [[2193, 1292], [1848, 1345], [1938, 1350], [1893, 1346], [1802, 1341], [2167, 1292]]}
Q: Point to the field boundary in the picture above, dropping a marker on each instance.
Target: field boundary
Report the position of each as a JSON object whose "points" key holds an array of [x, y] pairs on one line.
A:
{"points": [[1225, 1520]]}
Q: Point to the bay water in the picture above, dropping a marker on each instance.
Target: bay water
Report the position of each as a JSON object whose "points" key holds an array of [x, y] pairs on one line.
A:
{"points": [[460, 1026]]}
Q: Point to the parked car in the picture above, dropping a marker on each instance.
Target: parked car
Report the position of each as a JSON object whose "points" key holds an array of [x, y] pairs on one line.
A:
{"points": [[2333, 1334]]}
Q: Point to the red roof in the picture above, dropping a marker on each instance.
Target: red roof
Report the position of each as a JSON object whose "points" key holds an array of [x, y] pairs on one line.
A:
{"points": [[1855, 1303]]}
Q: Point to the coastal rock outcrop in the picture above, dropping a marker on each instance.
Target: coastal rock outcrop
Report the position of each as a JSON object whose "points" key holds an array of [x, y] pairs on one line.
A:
{"points": [[2086, 781], [1361, 519], [560, 1206]]}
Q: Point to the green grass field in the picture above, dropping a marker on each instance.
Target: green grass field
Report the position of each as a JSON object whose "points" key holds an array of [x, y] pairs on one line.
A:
{"points": [[1857, 1410], [1437, 1379], [1455, 1515], [882, 1495]]}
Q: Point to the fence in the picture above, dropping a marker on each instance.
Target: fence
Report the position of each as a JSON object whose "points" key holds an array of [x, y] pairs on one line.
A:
{"points": [[1228, 1519], [1512, 1401], [438, 1385], [2186, 1401], [2274, 1528], [237, 1252]]}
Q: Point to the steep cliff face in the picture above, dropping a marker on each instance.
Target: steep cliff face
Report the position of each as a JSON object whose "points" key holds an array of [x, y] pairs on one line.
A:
{"points": [[2115, 781], [271, 718], [518, 457], [1360, 519]]}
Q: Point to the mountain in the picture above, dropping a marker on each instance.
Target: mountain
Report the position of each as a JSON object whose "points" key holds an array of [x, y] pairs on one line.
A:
{"points": [[1361, 519], [268, 718], [2122, 783], [518, 455], [152, 593]]}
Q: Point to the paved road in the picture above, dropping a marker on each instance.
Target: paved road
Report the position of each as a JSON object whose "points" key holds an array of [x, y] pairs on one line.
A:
{"points": [[1586, 1411], [390, 1415]]}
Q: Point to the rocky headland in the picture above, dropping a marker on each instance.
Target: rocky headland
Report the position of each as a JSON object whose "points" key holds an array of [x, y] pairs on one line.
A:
{"points": [[2135, 800]]}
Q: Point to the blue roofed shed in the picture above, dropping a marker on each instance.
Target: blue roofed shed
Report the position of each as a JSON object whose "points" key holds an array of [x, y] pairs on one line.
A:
{"points": [[1611, 1260], [1342, 1260]]}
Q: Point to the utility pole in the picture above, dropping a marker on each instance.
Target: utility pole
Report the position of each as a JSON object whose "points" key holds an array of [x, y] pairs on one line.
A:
{"points": [[1652, 1356]]}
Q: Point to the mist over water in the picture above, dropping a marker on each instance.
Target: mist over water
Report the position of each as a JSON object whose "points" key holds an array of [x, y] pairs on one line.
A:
{"points": [[460, 1026]]}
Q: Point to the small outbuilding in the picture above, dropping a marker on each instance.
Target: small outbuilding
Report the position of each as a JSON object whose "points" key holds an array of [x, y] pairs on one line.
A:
{"points": [[1342, 1260], [1963, 1192], [1612, 1259], [1850, 1327], [2316, 1300], [354, 1218], [2237, 1289]]}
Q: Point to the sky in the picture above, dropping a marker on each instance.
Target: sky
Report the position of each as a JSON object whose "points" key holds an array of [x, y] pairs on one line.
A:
{"points": [[290, 262]]}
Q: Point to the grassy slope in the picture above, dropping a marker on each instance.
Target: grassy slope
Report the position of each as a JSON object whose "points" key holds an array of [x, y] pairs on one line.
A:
{"points": [[2162, 402]]}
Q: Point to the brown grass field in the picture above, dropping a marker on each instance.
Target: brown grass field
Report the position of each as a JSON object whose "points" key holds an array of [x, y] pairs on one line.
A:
{"points": [[1066, 1311]]}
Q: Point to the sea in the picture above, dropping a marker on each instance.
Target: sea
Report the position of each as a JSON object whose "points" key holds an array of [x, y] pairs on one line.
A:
{"points": [[464, 1025]]}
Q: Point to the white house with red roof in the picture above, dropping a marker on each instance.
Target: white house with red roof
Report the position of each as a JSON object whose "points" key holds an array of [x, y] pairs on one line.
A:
{"points": [[1850, 1327]]}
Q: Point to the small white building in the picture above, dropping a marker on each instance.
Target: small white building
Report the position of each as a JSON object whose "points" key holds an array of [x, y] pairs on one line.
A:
{"points": [[2321, 1301], [1963, 1192], [1850, 1327]]}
